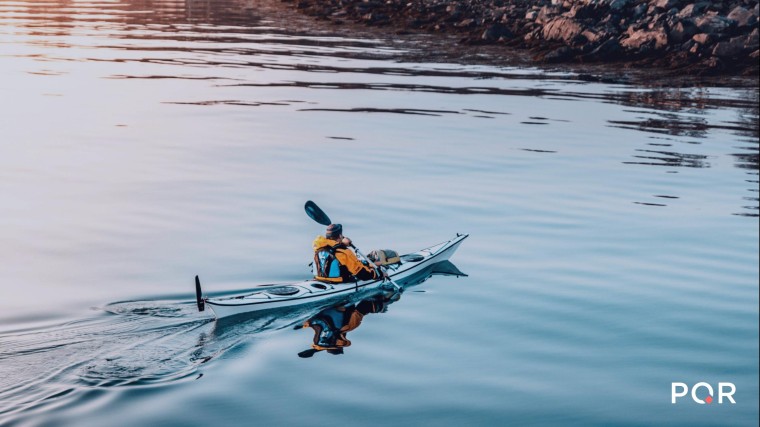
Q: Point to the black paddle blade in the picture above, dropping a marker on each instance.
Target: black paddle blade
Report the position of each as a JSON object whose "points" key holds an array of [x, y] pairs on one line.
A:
{"points": [[316, 213], [307, 353], [198, 298]]}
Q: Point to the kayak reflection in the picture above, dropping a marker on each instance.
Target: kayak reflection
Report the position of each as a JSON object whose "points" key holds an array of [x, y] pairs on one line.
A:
{"points": [[331, 325]]}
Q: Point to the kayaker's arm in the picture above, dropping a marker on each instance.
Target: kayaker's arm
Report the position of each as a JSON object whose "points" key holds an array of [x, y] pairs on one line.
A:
{"points": [[356, 267], [367, 274]]}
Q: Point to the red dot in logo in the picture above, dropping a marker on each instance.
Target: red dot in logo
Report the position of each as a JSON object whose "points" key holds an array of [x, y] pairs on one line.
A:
{"points": [[708, 399]]}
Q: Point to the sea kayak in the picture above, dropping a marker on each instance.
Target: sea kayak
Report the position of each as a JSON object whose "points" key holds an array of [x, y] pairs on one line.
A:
{"points": [[276, 296]]}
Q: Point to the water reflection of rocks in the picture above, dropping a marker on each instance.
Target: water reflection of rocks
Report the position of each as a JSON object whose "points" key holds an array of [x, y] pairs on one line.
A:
{"points": [[681, 116], [682, 111]]}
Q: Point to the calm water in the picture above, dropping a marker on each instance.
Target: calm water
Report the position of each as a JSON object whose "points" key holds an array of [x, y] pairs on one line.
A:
{"points": [[613, 248]]}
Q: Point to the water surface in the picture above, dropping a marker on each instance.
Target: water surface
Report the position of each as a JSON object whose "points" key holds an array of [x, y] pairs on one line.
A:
{"points": [[613, 248]]}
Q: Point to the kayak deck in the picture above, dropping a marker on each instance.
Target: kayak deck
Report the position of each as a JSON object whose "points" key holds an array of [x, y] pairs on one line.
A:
{"points": [[311, 291]]}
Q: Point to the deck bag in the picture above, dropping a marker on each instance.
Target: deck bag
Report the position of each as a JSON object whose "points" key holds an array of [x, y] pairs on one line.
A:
{"points": [[384, 256]]}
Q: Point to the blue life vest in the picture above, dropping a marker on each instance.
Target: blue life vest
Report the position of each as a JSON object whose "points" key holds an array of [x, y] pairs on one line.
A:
{"points": [[326, 264]]}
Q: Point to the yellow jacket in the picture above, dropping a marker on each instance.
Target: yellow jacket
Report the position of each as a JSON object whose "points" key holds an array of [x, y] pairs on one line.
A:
{"points": [[350, 266]]}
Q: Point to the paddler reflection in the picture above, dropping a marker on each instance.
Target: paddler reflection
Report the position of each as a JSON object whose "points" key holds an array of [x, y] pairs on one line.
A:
{"points": [[332, 325]]}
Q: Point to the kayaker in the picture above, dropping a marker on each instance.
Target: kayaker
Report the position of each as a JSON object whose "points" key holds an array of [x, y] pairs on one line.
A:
{"points": [[334, 262]]}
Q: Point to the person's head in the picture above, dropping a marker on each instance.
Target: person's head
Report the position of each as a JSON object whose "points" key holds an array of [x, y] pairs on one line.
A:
{"points": [[334, 231]]}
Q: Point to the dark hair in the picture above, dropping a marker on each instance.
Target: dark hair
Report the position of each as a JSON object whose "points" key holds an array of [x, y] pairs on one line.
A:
{"points": [[334, 230]]}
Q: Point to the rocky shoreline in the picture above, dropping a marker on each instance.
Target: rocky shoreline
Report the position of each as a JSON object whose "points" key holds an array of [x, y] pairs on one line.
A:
{"points": [[686, 37]]}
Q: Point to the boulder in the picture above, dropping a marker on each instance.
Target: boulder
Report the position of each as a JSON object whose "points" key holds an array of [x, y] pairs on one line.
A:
{"points": [[666, 4], [682, 31], [546, 14], [618, 5], [730, 48], [496, 32], [743, 17], [561, 54], [608, 50], [465, 23], [714, 24], [753, 41], [533, 36], [658, 38], [657, 20], [592, 36], [562, 29], [693, 9], [579, 12], [640, 10], [702, 38]]}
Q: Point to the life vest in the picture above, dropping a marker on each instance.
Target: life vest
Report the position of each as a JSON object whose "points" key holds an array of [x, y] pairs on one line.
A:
{"points": [[329, 332], [326, 265], [335, 263]]}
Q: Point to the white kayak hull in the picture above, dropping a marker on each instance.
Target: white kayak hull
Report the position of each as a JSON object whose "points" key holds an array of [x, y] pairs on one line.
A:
{"points": [[315, 292]]}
